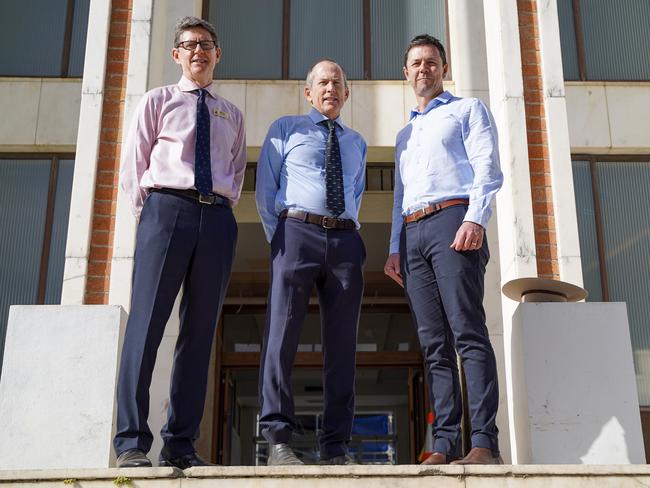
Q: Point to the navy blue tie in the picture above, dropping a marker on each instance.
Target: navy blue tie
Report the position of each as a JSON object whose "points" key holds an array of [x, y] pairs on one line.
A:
{"points": [[333, 172], [202, 167]]}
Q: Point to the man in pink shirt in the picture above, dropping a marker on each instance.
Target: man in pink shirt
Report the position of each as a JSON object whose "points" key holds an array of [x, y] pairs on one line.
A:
{"points": [[183, 167]]}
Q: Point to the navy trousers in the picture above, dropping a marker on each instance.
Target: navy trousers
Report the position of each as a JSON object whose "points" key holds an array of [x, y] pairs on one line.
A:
{"points": [[304, 255], [445, 291], [179, 242]]}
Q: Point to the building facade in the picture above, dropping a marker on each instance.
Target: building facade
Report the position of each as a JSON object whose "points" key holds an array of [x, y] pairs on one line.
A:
{"points": [[568, 83]]}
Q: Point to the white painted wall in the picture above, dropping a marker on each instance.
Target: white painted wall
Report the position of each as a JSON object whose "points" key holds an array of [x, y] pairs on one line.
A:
{"points": [[603, 117], [39, 112], [609, 118]]}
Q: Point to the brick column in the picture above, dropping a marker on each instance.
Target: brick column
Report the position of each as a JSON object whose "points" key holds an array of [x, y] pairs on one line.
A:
{"points": [[538, 155], [103, 220]]}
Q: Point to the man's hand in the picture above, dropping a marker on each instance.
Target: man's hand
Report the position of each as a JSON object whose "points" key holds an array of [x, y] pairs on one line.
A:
{"points": [[392, 269], [469, 237]]}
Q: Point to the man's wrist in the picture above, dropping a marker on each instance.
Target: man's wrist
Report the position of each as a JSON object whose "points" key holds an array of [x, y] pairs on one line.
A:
{"points": [[475, 223]]}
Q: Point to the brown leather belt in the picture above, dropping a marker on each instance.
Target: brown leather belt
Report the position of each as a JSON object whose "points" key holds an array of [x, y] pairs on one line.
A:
{"points": [[435, 208], [322, 220], [212, 199]]}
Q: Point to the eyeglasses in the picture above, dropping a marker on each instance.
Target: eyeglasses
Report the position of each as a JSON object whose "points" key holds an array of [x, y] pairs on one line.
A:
{"points": [[191, 45]]}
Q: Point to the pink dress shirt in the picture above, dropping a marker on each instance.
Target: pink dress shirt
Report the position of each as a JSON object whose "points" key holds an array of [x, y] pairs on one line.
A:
{"points": [[158, 150]]}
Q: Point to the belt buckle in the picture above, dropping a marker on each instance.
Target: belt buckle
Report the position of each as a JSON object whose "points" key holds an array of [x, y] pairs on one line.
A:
{"points": [[325, 223], [206, 199]]}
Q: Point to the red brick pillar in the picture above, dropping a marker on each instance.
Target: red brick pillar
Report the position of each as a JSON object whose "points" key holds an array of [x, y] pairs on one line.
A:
{"points": [[540, 169], [103, 223]]}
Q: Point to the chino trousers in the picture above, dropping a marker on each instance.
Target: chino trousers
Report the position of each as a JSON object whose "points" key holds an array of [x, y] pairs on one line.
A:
{"points": [[445, 292]]}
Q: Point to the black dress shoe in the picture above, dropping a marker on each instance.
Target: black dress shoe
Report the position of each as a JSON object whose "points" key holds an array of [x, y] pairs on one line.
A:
{"points": [[282, 455], [183, 462], [343, 459], [133, 458]]}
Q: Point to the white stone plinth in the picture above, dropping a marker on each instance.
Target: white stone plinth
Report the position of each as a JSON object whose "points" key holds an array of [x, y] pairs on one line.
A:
{"points": [[574, 389], [57, 391]]}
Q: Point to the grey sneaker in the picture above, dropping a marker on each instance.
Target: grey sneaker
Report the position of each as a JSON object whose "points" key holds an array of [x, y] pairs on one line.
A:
{"points": [[282, 455], [343, 459]]}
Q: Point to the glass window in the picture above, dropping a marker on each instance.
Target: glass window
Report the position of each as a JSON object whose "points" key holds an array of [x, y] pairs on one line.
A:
{"points": [[56, 260], [614, 35], [333, 30], [24, 232], [33, 33], [394, 24], [78, 38], [616, 39], [621, 187], [626, 238], [587, 230], [281, 39], [250, 34], [378, 332], [568, 40]]}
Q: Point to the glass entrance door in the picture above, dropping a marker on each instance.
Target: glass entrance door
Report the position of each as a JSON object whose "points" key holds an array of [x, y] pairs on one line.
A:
{"points": [[390, 399]]}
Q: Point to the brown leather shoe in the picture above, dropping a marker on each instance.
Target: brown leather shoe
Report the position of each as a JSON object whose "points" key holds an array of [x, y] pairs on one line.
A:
{"points": [[435, 458], [480, 455]]}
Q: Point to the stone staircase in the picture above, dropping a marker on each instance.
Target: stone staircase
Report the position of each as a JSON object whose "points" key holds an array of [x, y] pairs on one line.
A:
{"points": [[406, 476]]}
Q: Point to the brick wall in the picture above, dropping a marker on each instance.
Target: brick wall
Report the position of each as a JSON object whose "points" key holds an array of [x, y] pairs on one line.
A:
{"points": [[103, 225], [540, 169]]}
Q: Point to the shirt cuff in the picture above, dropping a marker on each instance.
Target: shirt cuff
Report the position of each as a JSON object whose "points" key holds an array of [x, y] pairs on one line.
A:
{"points": [[394, 246], [478, 215]]}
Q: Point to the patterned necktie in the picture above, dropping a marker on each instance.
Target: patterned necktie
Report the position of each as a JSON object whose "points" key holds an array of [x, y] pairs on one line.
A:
{"points": [[333, 172], [202, 168]]}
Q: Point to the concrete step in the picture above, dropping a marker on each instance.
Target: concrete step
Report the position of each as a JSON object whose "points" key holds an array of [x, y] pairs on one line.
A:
{"points": [[408, 476]]}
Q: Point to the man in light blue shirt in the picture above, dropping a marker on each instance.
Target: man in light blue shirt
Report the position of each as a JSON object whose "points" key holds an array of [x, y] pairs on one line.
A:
{"points": [[310, 178], [447, 172]]}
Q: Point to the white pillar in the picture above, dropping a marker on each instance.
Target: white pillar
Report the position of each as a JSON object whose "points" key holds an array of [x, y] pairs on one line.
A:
{"points": [[469, 71], [467, 49], [82, 199], [514, 201]]}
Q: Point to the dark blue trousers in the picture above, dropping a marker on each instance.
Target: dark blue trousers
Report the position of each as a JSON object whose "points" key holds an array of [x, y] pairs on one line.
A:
{"points": [[304, 255], [445, 291], [179, 242]]}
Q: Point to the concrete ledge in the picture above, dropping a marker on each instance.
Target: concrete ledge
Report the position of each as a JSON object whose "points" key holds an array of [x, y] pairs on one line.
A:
{"points": [[88, 474], [404, 476]]}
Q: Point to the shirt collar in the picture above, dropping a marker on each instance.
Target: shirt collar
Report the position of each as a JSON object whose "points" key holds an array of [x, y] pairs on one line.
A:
{"points": [[187, 85], [444, 97], [317, 117]]}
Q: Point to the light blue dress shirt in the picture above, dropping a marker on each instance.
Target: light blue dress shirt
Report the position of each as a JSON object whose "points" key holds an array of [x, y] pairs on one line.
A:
{"points": [[447, 151], [291, 169]]}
